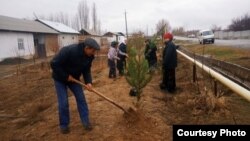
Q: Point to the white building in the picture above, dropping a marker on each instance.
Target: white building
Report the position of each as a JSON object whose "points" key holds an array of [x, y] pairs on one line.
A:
{"points": [[66, 36], [114, 36], [22, 38]]}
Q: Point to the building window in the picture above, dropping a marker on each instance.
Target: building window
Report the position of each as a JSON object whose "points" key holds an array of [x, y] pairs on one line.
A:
{"points": [[20, 44], [73, 37], [63, 37]]}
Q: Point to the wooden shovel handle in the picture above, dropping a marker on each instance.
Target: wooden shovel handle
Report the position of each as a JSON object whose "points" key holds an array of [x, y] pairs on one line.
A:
{"points": [[100, 94]]}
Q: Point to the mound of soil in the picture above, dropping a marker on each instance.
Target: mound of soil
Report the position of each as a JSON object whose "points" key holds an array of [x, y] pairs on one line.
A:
{"points": [[13, 61]]}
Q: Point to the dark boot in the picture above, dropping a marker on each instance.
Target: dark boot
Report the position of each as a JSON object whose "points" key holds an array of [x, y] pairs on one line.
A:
{"points": [[64, 130], [163, 86], [89, 127]]}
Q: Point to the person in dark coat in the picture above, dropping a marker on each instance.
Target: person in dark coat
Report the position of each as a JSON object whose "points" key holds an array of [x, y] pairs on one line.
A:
{"points": [[122, 62], [150, 54], [169, 64], [71, 62]]}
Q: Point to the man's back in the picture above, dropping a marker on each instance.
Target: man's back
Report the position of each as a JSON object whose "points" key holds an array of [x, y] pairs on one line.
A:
{"points": [[169, 56], [71, 60], [122, 48]]}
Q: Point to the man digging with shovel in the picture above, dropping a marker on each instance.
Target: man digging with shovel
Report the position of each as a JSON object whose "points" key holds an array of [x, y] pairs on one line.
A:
{"points": [[70, 63]]}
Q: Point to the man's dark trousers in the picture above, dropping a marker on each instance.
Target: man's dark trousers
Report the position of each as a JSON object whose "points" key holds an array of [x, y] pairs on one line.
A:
{"points": [[63, 105], [121, 65], [112, 68], [169, 79]]}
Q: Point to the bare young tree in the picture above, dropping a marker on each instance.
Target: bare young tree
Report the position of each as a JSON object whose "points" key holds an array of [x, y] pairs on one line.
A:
{"points": [[162, 27], [63, 18], [60, 17], [215, 28], [31, 52], [17, 56], [83, 13], [179, 31], [94, 18], [80, 20], [75, 22]]}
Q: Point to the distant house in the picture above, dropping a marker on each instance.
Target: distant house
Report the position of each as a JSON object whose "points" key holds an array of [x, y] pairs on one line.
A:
{"points": [[84, 33], [23, 38], [66, 35], [114, 36]]}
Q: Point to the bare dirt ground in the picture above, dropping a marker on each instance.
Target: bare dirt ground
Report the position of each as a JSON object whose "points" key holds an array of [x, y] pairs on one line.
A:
{"points": [[28, 107]]}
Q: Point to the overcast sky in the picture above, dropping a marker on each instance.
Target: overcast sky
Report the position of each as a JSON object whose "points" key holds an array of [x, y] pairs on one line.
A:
{"points": [[191, 14]]}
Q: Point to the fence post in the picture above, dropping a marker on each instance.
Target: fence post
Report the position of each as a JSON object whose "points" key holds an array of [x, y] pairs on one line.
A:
{"points": [[194, 72], [194, 69]]}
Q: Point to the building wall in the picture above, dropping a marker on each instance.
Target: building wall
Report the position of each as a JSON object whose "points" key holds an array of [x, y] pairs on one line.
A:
{"points": [[115, 38], [67, 39], [9, 45], [51, 44], [232, 34], [105, 42], [121, 38], [111, 38]]}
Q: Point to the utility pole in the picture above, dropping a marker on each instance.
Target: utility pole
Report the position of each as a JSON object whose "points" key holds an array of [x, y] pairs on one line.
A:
{"points": [[147, 30], [126, 24]]}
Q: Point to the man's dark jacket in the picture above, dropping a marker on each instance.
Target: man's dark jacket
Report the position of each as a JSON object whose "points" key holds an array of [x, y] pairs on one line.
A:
{"points": [[169, 56], [122, 48], [71, 60], [150, 52]]}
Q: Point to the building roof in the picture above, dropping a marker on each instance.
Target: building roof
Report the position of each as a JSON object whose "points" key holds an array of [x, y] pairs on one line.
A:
{"points": [[88, 32], [62, 28], [21, 25], [119, 33], [114, 33]]}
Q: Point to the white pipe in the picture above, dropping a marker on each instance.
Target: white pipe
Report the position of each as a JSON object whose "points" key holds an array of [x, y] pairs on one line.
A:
{"points": [[227, 82]]}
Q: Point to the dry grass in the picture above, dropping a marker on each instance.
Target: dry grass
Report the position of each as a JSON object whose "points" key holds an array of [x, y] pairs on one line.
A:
{"points": [[238, 56]]}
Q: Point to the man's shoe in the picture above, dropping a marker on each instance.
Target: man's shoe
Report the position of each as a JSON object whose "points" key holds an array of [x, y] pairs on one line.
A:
{"points": [[171, 91], [162, 86], [64, 130], [88, 127]]}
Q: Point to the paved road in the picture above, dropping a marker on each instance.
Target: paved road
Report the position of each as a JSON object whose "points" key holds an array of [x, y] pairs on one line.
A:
{"points": [[244, 43]]}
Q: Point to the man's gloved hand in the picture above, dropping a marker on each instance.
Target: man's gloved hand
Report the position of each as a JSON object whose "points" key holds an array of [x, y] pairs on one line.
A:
{"points": [[70, 78]]}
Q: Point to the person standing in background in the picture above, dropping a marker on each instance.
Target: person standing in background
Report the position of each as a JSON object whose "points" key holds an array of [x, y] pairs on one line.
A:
{"points": [[112, 57], [150, 54], [122, 54], [169, 64]]}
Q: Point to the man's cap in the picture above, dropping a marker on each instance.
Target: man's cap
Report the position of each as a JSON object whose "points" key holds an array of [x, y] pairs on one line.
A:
{"points": [[91, 43], [168, 36]]}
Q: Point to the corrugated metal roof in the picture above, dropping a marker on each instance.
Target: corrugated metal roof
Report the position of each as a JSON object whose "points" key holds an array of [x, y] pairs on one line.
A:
{"points": [[21, 25], [59, 27]]}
